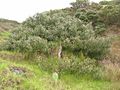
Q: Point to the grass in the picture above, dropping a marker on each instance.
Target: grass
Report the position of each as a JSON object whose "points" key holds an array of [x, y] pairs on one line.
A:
{"points": [[7, 25], [37, 79], [4, 35], [34, 78], [85, 83]]}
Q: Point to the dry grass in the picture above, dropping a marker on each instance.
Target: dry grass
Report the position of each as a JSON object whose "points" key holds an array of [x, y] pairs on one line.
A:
{"points": [[111, 70], [6, 25], [115, 49], [112, 30], [111, 63], [5, 55]]}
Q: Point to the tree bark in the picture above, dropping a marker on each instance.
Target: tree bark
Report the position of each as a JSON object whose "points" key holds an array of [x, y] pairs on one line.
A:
{"points": [[60, 52]]}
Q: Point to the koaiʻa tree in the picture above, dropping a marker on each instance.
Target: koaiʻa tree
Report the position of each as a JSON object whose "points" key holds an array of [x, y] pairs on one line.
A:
{"points": [[37, 34], [80, 4]]}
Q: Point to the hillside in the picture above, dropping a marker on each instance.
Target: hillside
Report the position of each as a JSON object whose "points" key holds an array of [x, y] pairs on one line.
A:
{"points": [[22, 75], [6, 25], [75, 48]]}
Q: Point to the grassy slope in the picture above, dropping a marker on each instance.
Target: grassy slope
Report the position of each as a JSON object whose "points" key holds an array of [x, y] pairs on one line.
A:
{"points": [[6, 25], [4, 35], [36, 79], [115, 48]]}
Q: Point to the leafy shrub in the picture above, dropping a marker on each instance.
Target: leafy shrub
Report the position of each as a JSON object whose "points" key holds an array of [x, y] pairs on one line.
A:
{"points": [[99, 28], [110, 14], [74, 65], [91, 16], [37, 33], [22, 40], [86, 66], [80, 4], [97, 48], [105, 2], [95, 6], [93, 47], [81, 14]]}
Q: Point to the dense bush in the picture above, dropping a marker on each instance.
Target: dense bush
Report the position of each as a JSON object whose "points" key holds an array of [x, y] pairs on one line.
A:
{"points": [[111, 2], [36, 34], [80, 4], [22, 40], [110, 14], [74, 65], [93, 17], [105, 2]]}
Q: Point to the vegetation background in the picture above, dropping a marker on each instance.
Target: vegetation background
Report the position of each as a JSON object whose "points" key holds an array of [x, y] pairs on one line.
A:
{"points": [[76, 48]]}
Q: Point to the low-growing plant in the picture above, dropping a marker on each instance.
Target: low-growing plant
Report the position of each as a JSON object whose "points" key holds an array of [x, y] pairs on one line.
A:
{"points": [[73, 65], [111, 70]]}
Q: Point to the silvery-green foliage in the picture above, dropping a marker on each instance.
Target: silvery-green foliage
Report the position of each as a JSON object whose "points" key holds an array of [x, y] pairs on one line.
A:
{"points": [[93, 17], [110, 14], [74, 65], [23, 40], [38, 32]]}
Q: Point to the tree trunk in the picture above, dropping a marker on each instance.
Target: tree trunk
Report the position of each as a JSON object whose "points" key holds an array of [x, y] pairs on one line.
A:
{"points": [[60, 52]]}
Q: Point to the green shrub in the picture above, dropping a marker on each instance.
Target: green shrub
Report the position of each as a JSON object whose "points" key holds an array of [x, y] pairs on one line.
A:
{"points": [[74, 65], [99, 28], [36, 34], [93, 47], [110, 14], [93, 17], [80, 4], [22, 40]]}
